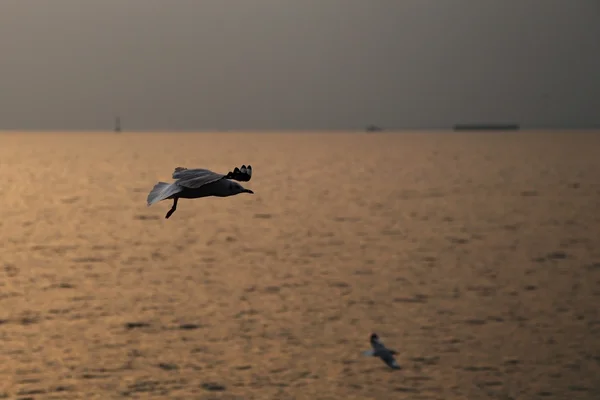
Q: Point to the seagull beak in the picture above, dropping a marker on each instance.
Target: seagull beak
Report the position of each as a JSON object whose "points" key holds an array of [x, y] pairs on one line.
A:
{"points": [[248, 191]]}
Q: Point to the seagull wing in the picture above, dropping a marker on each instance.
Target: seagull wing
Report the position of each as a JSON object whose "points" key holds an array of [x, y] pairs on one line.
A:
{"points": [[195, 178], [390, 361], [242, 174]]}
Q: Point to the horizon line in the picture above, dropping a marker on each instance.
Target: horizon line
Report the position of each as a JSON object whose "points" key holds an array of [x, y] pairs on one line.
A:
{"points": [[340, 130]]}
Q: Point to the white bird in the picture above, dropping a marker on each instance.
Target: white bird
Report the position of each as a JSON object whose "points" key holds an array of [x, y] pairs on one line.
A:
{"points": [[196, 183]]}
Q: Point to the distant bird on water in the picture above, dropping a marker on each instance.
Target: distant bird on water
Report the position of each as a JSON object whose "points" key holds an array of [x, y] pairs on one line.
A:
{"points": [[379, 350], [196, 183]]}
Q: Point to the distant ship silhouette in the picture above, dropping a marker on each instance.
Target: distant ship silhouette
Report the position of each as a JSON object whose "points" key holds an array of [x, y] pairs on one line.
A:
{"points": [[118, 124], [373, 128]]}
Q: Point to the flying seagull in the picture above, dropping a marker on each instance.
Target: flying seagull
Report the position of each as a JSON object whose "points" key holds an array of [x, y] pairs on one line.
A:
{"points": [[379, 350], [196, 183]]}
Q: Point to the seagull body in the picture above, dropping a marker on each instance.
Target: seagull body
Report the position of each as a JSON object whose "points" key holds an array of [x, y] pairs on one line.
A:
{"points": [[379, 350], [196, 183]]}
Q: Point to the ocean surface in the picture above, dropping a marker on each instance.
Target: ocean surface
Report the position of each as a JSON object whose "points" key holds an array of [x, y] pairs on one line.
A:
{"points": [[475, 255]]}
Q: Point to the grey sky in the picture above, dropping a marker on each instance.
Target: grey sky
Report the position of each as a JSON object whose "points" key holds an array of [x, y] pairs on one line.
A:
{"points": [[303, 64]]}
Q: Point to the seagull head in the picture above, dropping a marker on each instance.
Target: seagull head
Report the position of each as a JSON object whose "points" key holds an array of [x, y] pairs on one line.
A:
{"points": [[236, 188], [374, 338]]}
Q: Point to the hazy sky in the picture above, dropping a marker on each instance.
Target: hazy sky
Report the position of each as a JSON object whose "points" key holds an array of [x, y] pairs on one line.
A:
{"points": [[303, 64]]}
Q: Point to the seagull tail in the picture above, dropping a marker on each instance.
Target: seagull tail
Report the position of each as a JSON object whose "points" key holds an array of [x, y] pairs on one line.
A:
{"points": [[160, 191]]}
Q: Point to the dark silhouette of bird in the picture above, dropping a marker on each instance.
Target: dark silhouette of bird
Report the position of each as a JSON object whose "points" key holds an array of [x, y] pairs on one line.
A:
{"points": [[196, 183], [379, 350]]}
